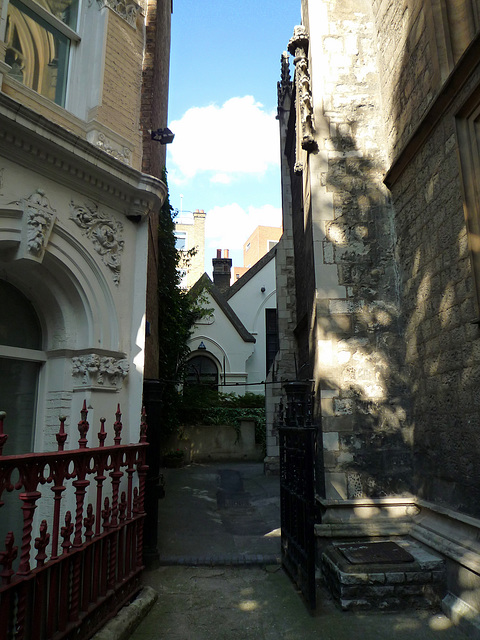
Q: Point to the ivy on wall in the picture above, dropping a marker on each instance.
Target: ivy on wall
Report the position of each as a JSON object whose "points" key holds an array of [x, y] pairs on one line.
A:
{"points": [[178, 311]]}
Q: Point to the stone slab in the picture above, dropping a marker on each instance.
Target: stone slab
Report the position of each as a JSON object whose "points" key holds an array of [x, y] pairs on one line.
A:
{"points": [[388, 552]]}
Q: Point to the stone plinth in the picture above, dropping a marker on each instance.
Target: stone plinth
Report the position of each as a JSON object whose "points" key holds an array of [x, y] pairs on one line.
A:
{"points": [[385, 586]]}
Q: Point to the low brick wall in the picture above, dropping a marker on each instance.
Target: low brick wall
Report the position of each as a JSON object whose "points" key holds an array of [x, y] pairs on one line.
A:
{"points": [[212, 443]]}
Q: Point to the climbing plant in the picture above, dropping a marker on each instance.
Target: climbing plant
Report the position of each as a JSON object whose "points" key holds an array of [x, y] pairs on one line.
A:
{"points": [[178, 311]]}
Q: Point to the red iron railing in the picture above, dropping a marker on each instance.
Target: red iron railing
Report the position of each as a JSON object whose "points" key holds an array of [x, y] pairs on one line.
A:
{"points": [[88, 559]]}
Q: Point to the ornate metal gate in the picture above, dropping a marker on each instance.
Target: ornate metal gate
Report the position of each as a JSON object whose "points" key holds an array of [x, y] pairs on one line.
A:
{"points": [[297, 489]]}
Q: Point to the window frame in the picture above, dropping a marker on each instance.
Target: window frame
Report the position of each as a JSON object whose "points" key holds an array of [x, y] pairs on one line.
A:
{"points": [[55, 22], [272, 342], [180, 235], [58, 29]]}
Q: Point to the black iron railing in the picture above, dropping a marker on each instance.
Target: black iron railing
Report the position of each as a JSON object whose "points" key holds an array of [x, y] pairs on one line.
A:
{"points": [[297, 438]]}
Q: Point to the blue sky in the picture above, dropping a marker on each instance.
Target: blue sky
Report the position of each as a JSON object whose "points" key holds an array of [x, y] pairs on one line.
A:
{"points": [[224, 68]]}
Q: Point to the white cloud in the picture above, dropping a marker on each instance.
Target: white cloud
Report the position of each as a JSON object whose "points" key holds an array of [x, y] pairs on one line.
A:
{"points": [[234, 139], [229, 227], [221, 178]]}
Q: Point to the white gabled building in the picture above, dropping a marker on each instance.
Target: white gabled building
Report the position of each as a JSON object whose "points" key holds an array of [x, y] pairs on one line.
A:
{"points": [[233, 347]]}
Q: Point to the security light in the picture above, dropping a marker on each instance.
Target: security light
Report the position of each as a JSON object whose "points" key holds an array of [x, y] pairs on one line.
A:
{"points": [[164, 136]]}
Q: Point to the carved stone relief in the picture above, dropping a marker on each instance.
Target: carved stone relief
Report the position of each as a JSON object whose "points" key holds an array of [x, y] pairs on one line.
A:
{"points": [[126, 9], [104, 232], [298, 47], [38, 220], [285, 85], [113, 148], [100, 370]]}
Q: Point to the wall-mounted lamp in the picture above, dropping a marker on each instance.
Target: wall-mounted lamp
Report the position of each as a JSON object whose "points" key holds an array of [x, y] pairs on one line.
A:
{"points": [[164, 136], [202, 345]]}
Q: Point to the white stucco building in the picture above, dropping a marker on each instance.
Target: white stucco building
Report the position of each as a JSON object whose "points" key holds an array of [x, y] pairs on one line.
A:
{"points": [[233, 347], [75, 205]]}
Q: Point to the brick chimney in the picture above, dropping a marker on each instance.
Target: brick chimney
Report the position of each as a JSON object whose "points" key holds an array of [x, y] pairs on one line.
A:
{"points": [[221, 270]]}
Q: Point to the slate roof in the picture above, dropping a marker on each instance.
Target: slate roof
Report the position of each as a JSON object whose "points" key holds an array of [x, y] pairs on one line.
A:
{"points": [[248, 275], [205, 283]]}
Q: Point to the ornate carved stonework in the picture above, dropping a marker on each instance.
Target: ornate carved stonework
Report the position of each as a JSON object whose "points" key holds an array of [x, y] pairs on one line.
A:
{"points": [[100, 370], [285, 85], [104, 232], [126, 9], [298, 168], [114, 149], [298, 47], [38, 220]]}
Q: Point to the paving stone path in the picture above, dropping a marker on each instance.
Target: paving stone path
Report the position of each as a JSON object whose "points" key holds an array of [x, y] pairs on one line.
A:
{"points": [[220, 578]]}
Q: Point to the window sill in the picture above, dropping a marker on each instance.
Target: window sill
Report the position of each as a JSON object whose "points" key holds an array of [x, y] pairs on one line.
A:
{"points": [[94, 132], [42, 105]]}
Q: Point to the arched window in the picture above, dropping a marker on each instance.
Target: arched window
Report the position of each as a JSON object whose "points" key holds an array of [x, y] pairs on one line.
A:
{"points": [[38, 45], [202, 370], [20, 362]]}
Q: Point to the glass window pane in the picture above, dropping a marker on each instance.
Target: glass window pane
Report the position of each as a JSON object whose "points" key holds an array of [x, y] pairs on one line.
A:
{"points": [[18, 393], [37, 53], [19, 324], [201, 370], [64, 10], [180, 241]]}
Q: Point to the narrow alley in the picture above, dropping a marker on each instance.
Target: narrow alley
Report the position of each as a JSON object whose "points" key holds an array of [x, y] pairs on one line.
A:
{"points": [[220, 576]]}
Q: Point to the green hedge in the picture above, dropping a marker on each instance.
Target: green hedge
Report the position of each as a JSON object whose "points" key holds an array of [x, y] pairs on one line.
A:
{"points": [[202, 405]]}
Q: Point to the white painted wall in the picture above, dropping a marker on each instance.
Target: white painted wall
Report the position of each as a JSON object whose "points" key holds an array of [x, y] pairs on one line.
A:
{"points": [[241, 362], [225, 346], [82, 310], [250, 304]]}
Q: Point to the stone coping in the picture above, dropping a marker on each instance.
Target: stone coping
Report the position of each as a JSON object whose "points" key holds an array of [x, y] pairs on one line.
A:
{"points": [[408, 501]]}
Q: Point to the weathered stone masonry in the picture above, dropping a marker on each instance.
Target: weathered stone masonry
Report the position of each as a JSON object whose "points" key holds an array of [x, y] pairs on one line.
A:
{"points": [[385, 227], [366, 439]]}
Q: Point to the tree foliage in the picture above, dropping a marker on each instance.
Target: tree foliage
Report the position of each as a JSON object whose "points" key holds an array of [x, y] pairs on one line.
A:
{"points": [[203, 405], [178, 311]]}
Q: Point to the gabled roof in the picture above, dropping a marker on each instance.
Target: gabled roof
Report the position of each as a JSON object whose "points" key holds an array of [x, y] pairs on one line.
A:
{"points": [[204, 283], [248, 275]]}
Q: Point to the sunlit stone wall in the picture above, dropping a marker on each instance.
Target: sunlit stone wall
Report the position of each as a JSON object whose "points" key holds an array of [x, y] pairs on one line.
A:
{"points": [[389, 326], [355, 326]]}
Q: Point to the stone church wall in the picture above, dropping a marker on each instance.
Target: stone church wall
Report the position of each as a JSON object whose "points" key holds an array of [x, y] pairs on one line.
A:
{"points": [[408, 65], [384, 191], [366, 434], [437, 288]]}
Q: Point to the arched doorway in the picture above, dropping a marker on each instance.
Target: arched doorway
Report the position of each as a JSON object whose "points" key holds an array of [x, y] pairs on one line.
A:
{"points": [[20, 361]]}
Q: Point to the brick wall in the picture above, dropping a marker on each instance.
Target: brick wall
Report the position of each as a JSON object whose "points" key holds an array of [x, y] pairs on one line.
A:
{"points": [[259, 243], [153, 115], [121, 99], [155, 83]]}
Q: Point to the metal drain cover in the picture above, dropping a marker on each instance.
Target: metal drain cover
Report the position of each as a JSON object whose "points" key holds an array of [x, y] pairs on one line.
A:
{"points": [[375, 553]]}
